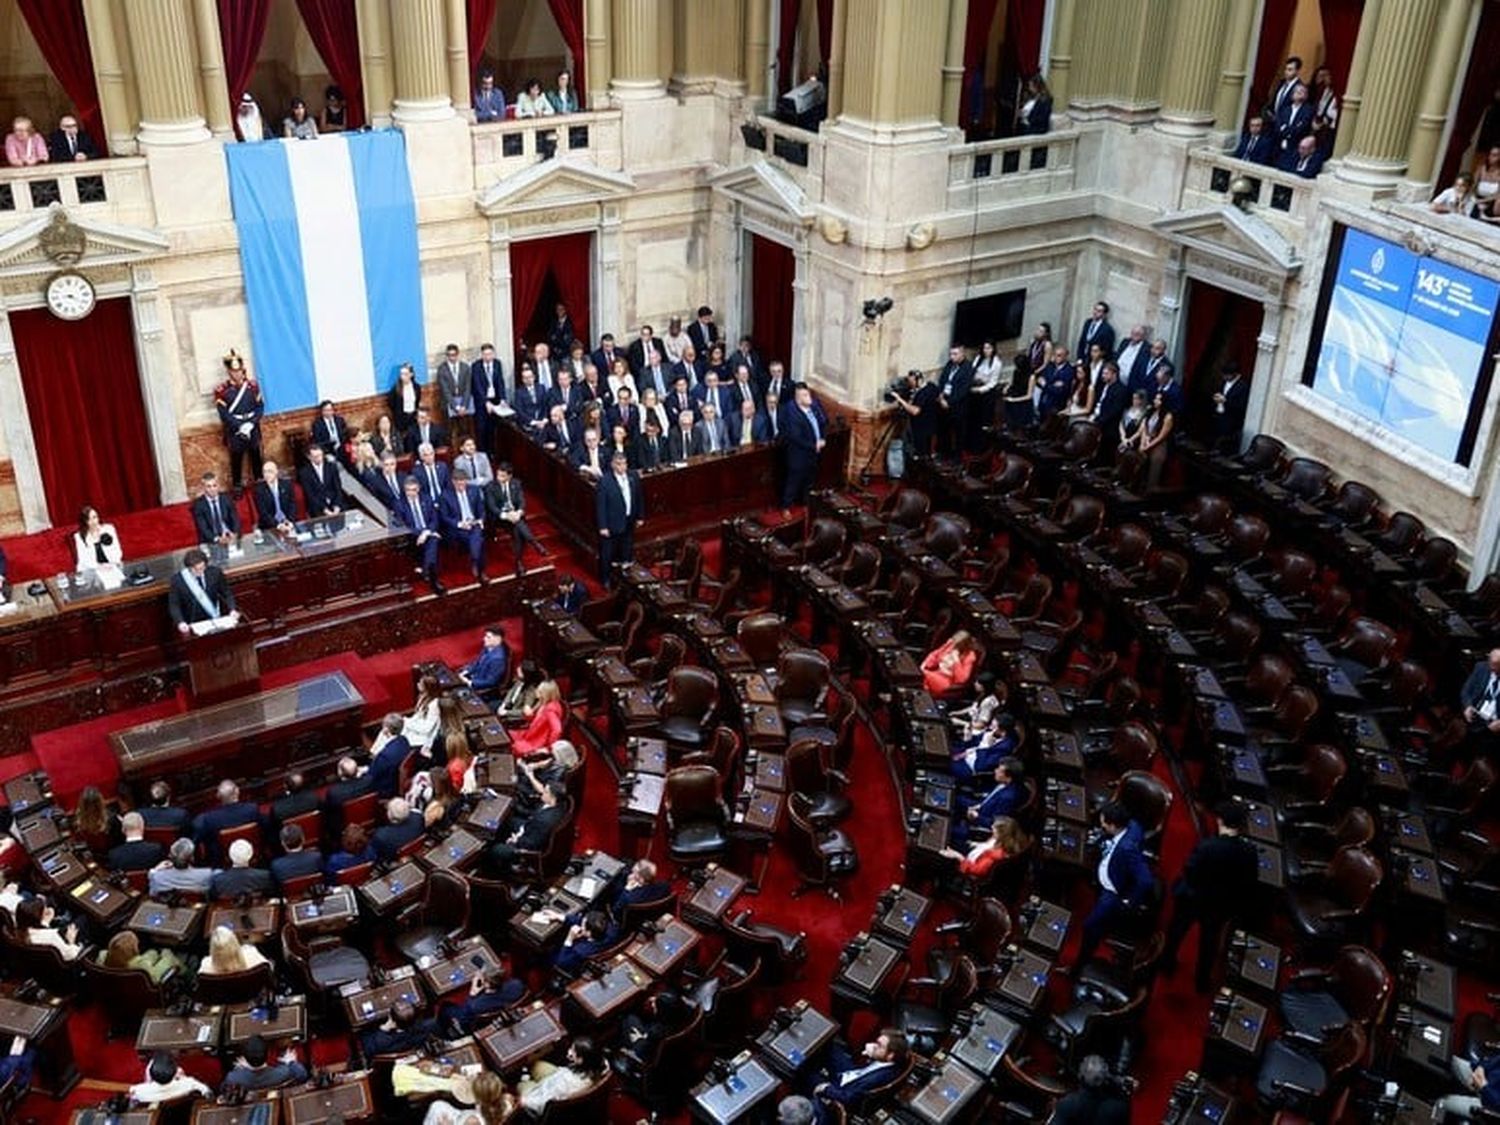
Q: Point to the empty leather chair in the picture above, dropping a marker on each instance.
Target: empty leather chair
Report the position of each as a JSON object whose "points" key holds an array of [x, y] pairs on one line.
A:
{"points": [[1262, 455], [1163, 579], [126, 994], [1434, 563], [762, 637], [696, 815], [441, 916], [1354, 505], [1326, 617], [1080, 517], [981, 935], [906, 508], [1355, 987], [1197, 619], [1306, 479], [671, 651], [684, 571], [1309, 1079], [1127, 547], [1292, 576], [1207, 514], [1027, 603], [1306, 790], [1260, 689], [1366, 649], [802, 676], [819, 785], [1333, 903], [324, 969], [1311, 844], [824, 858], [824, 543], [1245, 542], [1295, 712], [726, 998], [925, 1009], [622, 637], [861, 569], [688, 709], [1450, 801], [780, 951], [234, 988], [1401, 534], [722, 752]]}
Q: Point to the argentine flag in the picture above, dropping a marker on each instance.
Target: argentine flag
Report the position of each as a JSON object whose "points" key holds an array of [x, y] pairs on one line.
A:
{"points": [[328, 248]]}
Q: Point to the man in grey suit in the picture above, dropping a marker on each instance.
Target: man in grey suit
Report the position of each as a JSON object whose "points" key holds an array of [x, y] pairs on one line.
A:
{"points": [[454, 388], [473, 462], [710, 434]]}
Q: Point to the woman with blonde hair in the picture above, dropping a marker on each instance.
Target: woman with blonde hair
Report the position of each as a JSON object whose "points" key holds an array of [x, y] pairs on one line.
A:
{"points": [[1007, 839], [493, 1104], [227, 954], [951, 664], [124, 952], [366, 460], [545, 722]]}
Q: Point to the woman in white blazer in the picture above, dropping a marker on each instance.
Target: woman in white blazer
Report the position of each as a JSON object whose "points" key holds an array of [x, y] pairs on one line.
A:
{"points": [[95, 543]]}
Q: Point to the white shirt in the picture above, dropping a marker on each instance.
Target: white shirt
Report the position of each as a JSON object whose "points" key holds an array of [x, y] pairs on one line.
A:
{"points": [[859, 1072], [986, 375], [1109, 849], [1128, 356], [408, 398], [1487, 705], [182, 1086], [624, 483]]}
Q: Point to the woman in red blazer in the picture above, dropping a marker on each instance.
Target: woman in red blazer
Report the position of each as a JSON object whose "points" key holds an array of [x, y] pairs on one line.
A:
{"points": [[546, 722], [951, 664], [1006, 839]]}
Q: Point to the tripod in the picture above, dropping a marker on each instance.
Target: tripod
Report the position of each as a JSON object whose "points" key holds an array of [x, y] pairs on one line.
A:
{"points": [[890, 427]]}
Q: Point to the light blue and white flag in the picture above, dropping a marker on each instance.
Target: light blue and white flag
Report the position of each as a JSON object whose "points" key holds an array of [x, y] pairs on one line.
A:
{"points": [[328, 246]]}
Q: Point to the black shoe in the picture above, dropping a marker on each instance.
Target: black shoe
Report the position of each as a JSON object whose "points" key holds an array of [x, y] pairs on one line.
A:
{"points": [[437, 586]]}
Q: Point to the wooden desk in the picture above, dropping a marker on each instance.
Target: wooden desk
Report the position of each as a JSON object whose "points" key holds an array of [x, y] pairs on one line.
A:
{"points": [[241, 1021], [866, 969], [92, 1115], [747, 1087], [45, 1024], [197, 1032], [988, 1037], [457, 851], [513, 1044], [335, 911], [622, 984], [38, 833], [350, 1098], [103, 902], [258, 1109], [389, 893], [168, 925], [1067, 800], [366, 1004], [489, 814], [664, 952], [589, 876], [803, 1032], [945, 1097], [648, 755], [1046, 925], [535, 929], [899, 913], [27, 791], [676, 500], [274, 730], [1254, 963], [60, 869], [1236, 1024], [472, 957], [714, 896], [1023, 986]]}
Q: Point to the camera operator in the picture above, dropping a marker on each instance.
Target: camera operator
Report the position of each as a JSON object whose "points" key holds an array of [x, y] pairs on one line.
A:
{"points": [[916, 395], [1102, 1098]]}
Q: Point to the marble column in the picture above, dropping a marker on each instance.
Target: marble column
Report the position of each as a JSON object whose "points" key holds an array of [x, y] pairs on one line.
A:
{"points": [[1060, 70], [109, 76], [418, 32], [1354, 89], [757, 46], [697, 26], [596, 50], [1196, 43], [953, 62], [1234, 65], [836, 59], [1398, 58], [901, 45], [458, 54], [375, 60], [211, 69], [161, 48], [637, 57], [1437, 88], [504, 335], [19, 440], [157, 381]]}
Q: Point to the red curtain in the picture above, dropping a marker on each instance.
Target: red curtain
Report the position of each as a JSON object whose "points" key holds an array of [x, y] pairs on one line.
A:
{"points": [[571, 260], [528, 275], [825, 32], [1340, 30], [1023, 35], [773, 269], [976, 37], [242, 27], [786, 44], [60, 31], [1478, 89], [1221, 326], [1275, 26], [569, 17], [481, 19], [334, 30], [94, 448]]}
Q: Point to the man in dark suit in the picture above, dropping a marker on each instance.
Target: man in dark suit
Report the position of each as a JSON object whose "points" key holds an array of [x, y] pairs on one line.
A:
{"points": [[624, 413], [531, 402], [919, 400], [954, 382], [681, 398], [461, 517], [657, 375], [589, 456], [298, 799], [136, 853], [1293, 121], [710, 435], [487, 386], [619, 508], [844, 1078], [455, 383], [776, 382], [1480, 699], [1216, 885], [426, 432], [1006, 798], [275, 501], [506, 503], [1154, 363], [348, 785], [1291, 82], [604, 355], [587, 938], [567, 394], [161, 813], [296, 859], [804, 435], [322, 489], [639, 349], [68, 143], [641, 885], [418, 514], [384, 483], [532, 833], [401, 1032], [748, 426], [1133, 355], [329, 432], [1256, 145], [703, 332], [490, 993], [486, 672], [682, 442], [743, 387], [1170, 389], [1306, 160], [402, 825], [432, 475], [1097, 330], [1126, 881], [1110, 400], [198, 592], [216, 518], [745, 353], [230, 812], [651, 448], [711, 392], [239, 878], [385, 768], [1101, 1099], [1230, 403], [251, 1071], [561, 432]]}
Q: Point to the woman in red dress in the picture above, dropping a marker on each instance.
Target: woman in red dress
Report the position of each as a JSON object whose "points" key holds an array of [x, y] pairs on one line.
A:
{"points": [[951, 664], [545, 723]]}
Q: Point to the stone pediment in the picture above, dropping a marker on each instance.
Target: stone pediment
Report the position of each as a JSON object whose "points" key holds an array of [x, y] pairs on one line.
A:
{"points": [[55, 240], [1239, 237], [553, 184], [760, 184]]}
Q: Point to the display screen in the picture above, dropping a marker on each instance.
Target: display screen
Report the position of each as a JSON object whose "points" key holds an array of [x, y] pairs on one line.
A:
{"points": [[1406, 341]]}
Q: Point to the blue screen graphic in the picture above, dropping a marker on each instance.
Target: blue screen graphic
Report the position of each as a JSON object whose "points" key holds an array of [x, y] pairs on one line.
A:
{"points": [[1405, 340]]}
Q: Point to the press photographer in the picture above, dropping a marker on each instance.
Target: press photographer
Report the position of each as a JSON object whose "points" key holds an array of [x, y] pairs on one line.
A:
{"points": [[918, 396]]}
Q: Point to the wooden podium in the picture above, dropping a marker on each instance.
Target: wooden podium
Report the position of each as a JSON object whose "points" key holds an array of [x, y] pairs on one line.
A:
{"points": [[222, 664]]}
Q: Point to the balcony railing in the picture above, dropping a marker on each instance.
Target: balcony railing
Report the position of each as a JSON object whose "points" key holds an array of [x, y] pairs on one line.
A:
{"points": [[502, 148], [1285, 200], [1016, 167], [116, 189]]}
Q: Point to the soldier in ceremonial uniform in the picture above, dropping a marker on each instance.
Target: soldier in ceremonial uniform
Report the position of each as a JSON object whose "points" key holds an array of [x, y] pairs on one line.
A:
{"points": [[240, 407]]}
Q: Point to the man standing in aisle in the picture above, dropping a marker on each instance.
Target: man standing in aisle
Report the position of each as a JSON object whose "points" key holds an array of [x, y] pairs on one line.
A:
{"points": [[620, 507], [804, 436], [954, 383]]}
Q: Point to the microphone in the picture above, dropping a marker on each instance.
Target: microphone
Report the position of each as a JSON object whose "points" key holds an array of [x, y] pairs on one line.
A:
{"points": [[1240, 943]]}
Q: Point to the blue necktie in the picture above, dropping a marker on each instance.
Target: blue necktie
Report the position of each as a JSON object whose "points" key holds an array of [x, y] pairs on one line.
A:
{"points": [[276, 497]]}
